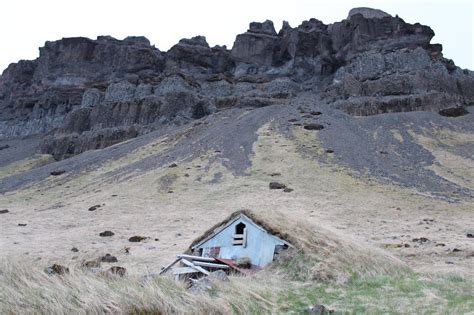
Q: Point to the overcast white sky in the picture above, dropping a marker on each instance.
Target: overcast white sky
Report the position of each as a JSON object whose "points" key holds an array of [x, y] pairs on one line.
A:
{"points": [[26, 24]]}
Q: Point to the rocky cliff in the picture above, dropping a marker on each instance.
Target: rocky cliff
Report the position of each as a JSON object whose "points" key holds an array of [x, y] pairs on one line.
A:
{"points": [[84, 94]]}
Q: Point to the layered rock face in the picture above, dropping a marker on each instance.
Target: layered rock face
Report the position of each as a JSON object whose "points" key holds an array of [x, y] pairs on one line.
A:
{"points": [[87, 94]]}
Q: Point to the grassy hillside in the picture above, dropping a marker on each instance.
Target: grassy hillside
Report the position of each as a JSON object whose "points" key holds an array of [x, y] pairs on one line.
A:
{"points": [[139, 194]]}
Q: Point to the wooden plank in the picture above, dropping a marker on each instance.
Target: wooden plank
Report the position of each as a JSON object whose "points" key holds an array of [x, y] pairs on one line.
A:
{"points": [[210, 265], [169, 266], [184, 270], [198, 258], [238, 242], [239, 235], [190, 264]]}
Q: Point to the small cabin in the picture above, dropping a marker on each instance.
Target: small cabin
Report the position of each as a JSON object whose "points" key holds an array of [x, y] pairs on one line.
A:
{"points": [[237, 237]]}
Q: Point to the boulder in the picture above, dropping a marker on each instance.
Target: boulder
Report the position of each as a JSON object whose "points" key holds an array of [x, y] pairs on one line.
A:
{"points": [[137, 239], [57, 173], [106, 234], [93, 208], [276, 185], [319, 309], [108, 259], [453, 112], [313, 126]]}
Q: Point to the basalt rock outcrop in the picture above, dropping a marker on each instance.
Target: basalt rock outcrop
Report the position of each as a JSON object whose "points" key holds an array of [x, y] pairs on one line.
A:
{"points": [[84, 94]]}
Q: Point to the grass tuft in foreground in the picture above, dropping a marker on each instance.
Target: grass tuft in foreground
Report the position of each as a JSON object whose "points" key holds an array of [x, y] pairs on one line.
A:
{"points": [[28, 289]]}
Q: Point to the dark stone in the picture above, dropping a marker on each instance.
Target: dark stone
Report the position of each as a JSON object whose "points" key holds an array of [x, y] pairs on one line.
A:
{"points": [[470, 235], [93, 208], [287, 190], [4, 211], [108, 259], [74, 249], [117, 270], [106, 233], [173, 165], [57, 270], [21, 224], [292, 120], [329, 151], [420, 240], [313, 127], [453, 112], [137, 239], [3, 147], [456, 250], [315, 113], [57, 173], [319, 309], [276, 185]]}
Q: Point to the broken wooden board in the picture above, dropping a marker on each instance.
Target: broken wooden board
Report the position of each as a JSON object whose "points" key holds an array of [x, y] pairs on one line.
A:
{"points": [[210, 265], [190, 264], [169, 266], [199, 258]]}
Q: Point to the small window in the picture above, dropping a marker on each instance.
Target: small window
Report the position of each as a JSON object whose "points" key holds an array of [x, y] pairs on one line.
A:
{"points": [[240, 235]]}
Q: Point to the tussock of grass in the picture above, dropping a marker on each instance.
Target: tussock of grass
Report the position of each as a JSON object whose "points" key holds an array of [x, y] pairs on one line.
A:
{"points": [[26, 288]]}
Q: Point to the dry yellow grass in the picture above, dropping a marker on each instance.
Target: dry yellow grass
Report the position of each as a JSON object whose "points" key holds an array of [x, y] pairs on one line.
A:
{"points": [[25, 165], [452, 167], [360, 213]]}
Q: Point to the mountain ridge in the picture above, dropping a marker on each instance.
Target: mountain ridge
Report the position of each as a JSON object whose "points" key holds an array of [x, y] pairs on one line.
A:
{"points": [[87, 94]]}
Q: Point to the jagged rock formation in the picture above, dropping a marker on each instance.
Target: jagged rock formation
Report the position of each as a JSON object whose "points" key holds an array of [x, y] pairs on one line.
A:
{"points": [[88, 94]]}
